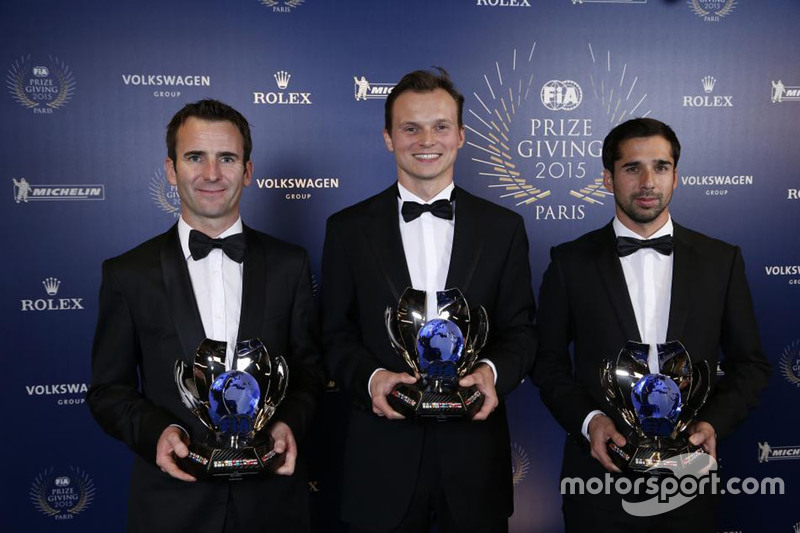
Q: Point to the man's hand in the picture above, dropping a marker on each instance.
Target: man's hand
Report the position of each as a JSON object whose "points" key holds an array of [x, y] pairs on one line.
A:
{"points": [[172, 442], [482, 376], [382, 384], [703, 434], [601, 430], [284, 442]]}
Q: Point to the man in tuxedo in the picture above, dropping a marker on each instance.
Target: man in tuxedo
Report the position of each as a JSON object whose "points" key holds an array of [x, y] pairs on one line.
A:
{"points": [[209, 276], [426, 233], [642, 277]]}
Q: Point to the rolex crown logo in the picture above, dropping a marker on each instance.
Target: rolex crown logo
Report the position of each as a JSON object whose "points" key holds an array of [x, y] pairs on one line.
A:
{"points": [[51, 286], [282, 79], [708, 83]]}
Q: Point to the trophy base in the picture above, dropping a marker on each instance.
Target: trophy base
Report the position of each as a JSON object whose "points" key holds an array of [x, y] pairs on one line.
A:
{"points": [[657, 456], [210, 459], [414, 402]]}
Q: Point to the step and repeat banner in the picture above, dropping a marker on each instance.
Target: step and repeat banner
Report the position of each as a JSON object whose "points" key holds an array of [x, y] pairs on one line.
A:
{"points": [[91, 85]]}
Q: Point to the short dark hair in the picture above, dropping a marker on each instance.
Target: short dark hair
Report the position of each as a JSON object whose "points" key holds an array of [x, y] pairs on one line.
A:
{"points": [[423, 81], [637, 127], [214, 111]]}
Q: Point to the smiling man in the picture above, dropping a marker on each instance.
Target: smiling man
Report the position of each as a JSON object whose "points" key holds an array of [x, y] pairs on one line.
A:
{"points": [[208, 276], [644, 278], [426, 233]]}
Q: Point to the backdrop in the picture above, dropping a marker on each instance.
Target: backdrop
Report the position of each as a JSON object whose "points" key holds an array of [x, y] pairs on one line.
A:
{"points": [[91, 84]]}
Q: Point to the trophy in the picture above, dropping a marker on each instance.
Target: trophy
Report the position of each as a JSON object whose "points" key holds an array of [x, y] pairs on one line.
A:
{"points": [[235, 405], [657, 407], [440, 351]]}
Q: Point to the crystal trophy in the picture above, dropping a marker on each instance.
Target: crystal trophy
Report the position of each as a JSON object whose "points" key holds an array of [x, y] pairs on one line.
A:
{"points": [[440, 351], [234, 404]]}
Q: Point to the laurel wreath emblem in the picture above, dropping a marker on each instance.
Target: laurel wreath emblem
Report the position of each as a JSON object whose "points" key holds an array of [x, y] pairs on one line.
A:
{"points": [[699, 10], [287, 3], [158, 192], [519, 463], [15, 81], [42, 484], [789, 358]]}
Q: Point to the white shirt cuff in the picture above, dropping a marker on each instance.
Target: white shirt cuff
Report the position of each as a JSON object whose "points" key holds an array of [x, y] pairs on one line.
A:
{"points": [[181, 428], [585, 426], [491, 365], [369, 381]]}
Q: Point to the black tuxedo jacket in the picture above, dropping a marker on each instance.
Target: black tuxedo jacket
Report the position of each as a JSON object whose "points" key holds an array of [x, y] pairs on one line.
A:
{"points": [[364, 271], [584, 301], [148, 318]]}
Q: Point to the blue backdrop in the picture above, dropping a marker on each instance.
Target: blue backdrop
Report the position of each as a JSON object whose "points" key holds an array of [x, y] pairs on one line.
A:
{"points": [[90, 86]]}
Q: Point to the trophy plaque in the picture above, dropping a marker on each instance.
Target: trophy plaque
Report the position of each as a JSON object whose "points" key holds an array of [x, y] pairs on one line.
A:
{"points": [[440, 351], [234, 405], [657, 407]]}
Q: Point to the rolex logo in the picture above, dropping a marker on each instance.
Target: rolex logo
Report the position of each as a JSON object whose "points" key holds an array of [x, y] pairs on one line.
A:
{"points": [[281, 96], [51, 285], [282, 79], [708, 83]]}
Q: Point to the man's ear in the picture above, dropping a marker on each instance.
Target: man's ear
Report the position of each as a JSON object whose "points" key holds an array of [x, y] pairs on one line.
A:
{"points": [[169, 171], [388, 140], [608, 180]]}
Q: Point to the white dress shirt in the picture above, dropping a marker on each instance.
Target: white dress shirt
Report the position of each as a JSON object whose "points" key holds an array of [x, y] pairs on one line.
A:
{"points": [[648, 275], [428, 244], [217, 284]]}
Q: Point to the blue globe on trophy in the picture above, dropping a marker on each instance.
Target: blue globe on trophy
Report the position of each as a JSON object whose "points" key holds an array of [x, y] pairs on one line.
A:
{"points": [[233, 402], [657, 402], [439, 346]]}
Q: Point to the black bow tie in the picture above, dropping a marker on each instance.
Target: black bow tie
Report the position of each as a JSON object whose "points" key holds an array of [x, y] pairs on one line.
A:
{"points": [[629, 245], [440, 208], [201, 245]]}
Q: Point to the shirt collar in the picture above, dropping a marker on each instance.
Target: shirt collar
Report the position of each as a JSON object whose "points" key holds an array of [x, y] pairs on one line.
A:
{"points": [[184, 229], [408, 196], [621, 231]]}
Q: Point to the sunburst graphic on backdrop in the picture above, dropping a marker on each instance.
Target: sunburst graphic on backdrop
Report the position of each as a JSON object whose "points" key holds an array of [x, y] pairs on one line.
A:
{"points": [[495, 114], [520, 463], [509, 89]]}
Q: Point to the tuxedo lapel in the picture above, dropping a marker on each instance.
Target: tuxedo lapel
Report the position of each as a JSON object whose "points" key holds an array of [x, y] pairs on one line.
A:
{"points": [[683, 284], [254, 282], [183, 306], [383, 235], [468, 240], [614, 283]]}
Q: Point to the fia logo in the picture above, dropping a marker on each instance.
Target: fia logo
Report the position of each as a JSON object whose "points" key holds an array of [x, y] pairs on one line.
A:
{"points": [[563, 95], [43, 86], [64, 495]]}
